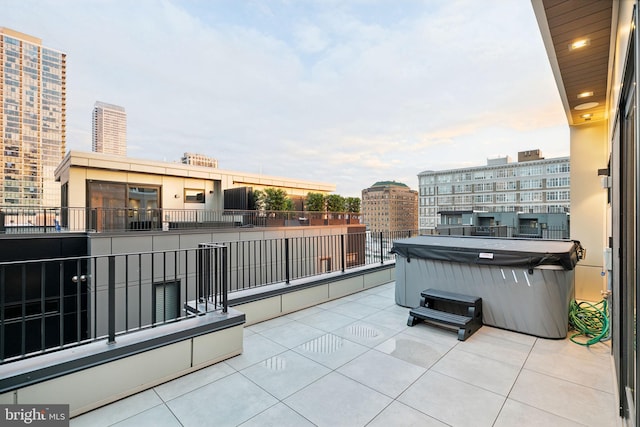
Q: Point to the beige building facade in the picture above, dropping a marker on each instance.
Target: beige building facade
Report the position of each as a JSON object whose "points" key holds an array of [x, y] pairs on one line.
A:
{"points": [[390, 206], [32, 120], [109, 129]]}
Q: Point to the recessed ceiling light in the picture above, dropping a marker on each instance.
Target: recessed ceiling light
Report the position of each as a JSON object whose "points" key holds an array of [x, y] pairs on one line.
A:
{"points": [[586, 105], [579, 44], [585, 94], [587, 116]]}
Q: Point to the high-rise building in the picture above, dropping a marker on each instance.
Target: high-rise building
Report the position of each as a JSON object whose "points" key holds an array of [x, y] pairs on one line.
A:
{"points": [[32, 119], [532, 185], [196, 159], [109, 129], [390, 206]]}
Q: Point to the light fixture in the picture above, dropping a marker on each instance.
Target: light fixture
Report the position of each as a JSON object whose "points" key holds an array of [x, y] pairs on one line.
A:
{"points": [[585, 94], [579, 44], [587, 116], [176, 196], [586, 106]]}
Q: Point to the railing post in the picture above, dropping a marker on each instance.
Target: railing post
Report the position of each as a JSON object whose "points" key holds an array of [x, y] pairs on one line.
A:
{"points": [[381, 249], [111, 300], [343, 252], [225, 287], [286, 260]]}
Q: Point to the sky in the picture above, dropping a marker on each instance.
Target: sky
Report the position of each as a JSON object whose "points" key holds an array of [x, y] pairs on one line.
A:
{"points": [[346, 92]]}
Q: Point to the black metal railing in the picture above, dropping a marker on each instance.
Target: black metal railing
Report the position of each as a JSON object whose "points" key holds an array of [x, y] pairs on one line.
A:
{"points": [[503, 231], [47, 305], [27, 220]]}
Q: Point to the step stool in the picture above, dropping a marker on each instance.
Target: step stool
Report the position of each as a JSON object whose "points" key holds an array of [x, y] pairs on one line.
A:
{"points": [[449, 309]]}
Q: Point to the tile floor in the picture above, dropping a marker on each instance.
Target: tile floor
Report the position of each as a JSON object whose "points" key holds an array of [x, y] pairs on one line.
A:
{"points": [[354, 362]]}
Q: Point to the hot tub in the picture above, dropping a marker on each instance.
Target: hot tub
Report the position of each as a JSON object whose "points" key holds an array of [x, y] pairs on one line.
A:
{"points": [[526, 285]]}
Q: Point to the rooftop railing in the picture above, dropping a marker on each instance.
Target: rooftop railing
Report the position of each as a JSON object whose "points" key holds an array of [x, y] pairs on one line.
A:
{"points": [[52, 304], [27, 220]]}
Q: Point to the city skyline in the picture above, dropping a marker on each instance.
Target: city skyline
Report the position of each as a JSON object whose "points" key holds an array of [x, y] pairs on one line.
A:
{"points": [[347, 93]]}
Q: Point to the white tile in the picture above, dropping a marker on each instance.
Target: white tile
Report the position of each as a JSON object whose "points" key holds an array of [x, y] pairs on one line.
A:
{"points": [[518, 414], [400, 415], [376, 301], [507, 335], [284, 374], [297, 315], [415, 350], [331, 350], [480, 371], [502, 350], [365, 333], [563, 398], [118, 411], [187, 383], [433, 333], [389, 319], [382, 372], [269, 324], [227, 402], [255, 349], [355, 310], [279, 415], [453, 401], [327, 321], [335, 400], [330, 304], [292, 334], [158, 416]]}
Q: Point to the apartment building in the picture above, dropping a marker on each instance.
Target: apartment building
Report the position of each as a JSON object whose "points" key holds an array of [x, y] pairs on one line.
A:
{"points": [[32, 119], [196, 159], [109, 129], [531, 185], [390, 206]]}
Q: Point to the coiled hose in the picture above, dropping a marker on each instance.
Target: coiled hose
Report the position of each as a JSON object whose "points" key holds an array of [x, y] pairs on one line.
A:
{"points": [[590, 321]]}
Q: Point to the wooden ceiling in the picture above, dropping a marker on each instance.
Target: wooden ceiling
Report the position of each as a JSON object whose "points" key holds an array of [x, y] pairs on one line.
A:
{"points": [[584, 69]]}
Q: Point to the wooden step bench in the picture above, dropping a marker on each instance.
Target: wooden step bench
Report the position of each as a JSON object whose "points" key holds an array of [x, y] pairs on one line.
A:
{"points": [[449, 309]]}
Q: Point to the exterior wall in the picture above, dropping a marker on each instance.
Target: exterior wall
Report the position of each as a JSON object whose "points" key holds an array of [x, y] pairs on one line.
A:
{"points": [[390, 208], [32, 120], [589, 153], [509, 187]]}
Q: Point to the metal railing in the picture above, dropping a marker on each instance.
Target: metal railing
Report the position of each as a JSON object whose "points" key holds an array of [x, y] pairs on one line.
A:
{"points": [[27, 220], [47, 305], [51, 304], [547, 232]]}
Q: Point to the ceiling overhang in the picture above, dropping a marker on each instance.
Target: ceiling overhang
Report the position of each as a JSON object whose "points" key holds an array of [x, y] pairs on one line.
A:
{"points": [[581, 72]]}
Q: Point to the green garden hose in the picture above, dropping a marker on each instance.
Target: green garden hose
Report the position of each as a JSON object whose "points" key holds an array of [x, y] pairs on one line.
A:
{"points": [[589, 320]]}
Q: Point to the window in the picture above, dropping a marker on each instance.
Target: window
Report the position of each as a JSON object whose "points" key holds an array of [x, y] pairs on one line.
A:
{"points": [[167, 301], [193, 196]]}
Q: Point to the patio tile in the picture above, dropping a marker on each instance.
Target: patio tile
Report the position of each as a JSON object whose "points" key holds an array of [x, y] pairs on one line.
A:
{"points": [[563, 398], [269, 324], [226, 402], [433, 333], [118, 411], [255, 349], [507, 335], [330, 304], [388, 319], [158, 416], [187, 383], [355, 310], [327, 321], [297, 315], [279, 415], [331, 350], [453, 401], [415, 350], [480, 371], [400, 415], [365, 333], [335, 400], [502, 350], [376, 301], [292, 334], [518, 414], [284, 374], [558, 359], [396, 376]]}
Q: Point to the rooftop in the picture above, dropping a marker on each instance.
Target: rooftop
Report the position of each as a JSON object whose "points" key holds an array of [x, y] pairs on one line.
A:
{"points": [[353, 361]]}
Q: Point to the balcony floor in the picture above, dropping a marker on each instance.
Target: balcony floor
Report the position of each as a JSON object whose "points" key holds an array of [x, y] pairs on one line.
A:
{"points": [[354, 362]]}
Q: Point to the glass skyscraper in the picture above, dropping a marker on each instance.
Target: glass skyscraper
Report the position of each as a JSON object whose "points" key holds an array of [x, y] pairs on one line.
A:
{"points": [[32, 119], [109, 129]]}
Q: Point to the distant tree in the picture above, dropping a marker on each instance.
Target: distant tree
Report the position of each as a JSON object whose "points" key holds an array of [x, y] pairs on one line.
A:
{"points": [[274, 199], [353, 204], [257, 201], [315, 202], [335, 203]]}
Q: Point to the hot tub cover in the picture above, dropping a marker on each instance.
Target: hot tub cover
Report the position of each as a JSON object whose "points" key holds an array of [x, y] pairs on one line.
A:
{"points": [[527, 253]]}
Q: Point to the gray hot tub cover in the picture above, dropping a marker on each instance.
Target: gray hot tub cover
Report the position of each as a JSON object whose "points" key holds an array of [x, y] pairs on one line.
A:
{"points": [[527, 253]]}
